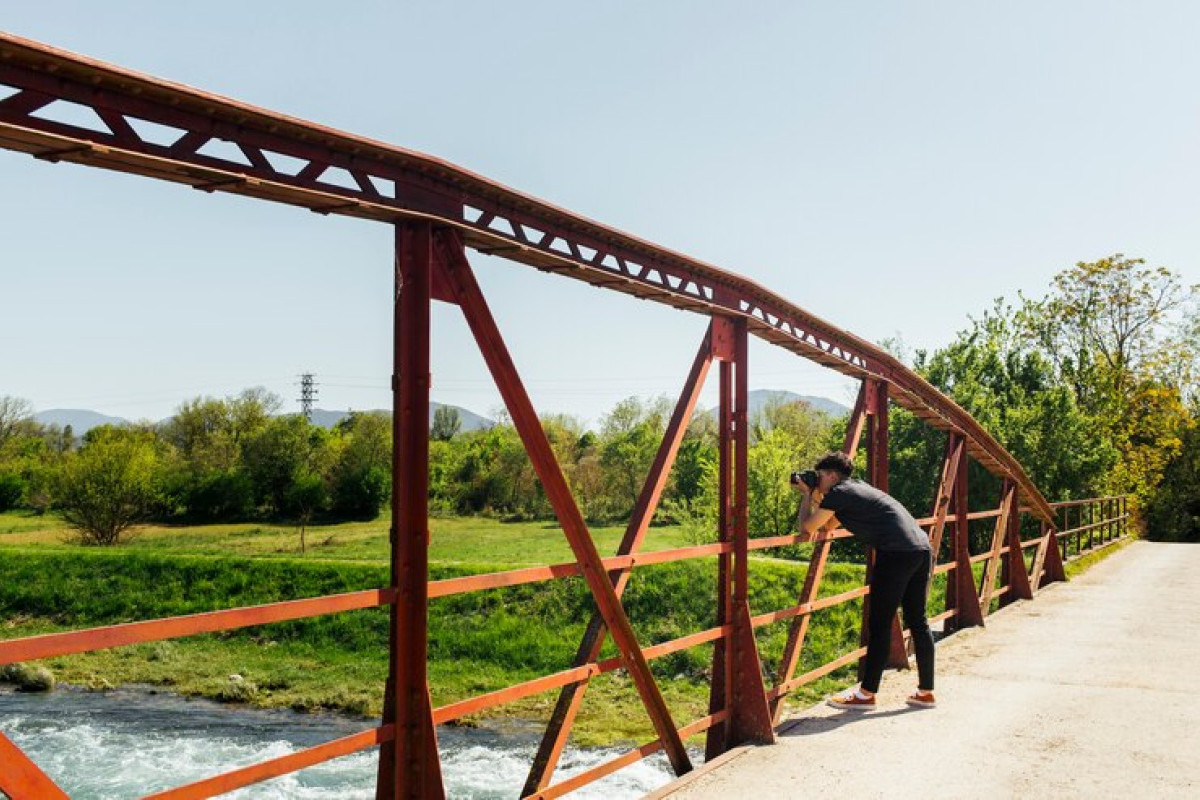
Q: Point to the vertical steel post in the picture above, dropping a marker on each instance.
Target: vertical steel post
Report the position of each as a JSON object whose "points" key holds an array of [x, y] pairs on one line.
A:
{"points": [[877, 476], [409, 766], [749, 716], [962, 583], [721, 689]]}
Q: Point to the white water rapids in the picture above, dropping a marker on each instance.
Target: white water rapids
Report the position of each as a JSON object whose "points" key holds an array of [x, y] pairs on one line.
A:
{"points": [[129, 743]]}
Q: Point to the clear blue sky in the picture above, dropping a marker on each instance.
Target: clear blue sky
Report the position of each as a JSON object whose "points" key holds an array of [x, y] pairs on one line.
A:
{"points": [[890, 166]]}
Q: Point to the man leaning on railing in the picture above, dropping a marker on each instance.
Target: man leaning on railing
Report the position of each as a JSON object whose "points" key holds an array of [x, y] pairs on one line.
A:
{"points": [[903, 565]]}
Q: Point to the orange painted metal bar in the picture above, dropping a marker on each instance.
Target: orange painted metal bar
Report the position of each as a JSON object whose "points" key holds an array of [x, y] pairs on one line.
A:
{"points": [[20, 778], [767, 542], [495, 580], [819, 672], [496, 356], [1091, 526], [557, 680], [453, 711], [806, 609], [674, 646], [623, 760], [49, 645], [681, 553], [246, 776]]}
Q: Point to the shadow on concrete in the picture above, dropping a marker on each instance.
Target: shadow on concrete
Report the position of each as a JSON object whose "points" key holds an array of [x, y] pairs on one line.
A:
{"points": [[811, 726]]}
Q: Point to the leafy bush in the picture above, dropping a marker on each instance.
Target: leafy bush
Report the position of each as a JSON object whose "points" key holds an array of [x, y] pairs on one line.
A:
{"points": [[109, 486], [12, 491]]}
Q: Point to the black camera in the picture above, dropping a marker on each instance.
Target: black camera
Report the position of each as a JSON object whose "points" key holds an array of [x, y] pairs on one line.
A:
{"points": [[808, 478]]}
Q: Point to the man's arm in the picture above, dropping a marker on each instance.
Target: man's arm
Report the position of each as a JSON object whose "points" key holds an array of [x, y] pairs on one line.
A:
{"points": [[813, 517]]}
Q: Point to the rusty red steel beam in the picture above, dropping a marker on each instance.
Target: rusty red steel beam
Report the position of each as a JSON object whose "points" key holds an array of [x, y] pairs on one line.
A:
{"points": [[571, 698], [955, 450], [1008, 508], [491, 218], [496, 356], [275, 767], [410, 765], [721, 680], [750, 714], [49, 645], [1014, 573], [20, 778]]}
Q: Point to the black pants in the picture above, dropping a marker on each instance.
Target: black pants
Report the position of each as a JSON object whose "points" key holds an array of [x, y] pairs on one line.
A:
{"points": [[900, 579]]}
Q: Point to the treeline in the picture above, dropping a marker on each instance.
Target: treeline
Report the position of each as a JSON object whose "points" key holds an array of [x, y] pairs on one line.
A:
{"points": [[1093, 388], [235, 459]]}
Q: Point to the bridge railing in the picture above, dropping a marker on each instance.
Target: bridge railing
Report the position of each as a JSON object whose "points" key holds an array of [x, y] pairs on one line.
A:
{"points": [[437, 211], [1099, 522]]}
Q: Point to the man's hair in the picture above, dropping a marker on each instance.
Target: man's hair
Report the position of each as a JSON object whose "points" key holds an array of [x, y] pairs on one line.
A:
{"points": [[838, 462]]}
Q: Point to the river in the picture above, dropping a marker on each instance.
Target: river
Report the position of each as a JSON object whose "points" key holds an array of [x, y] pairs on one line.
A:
{"points": [[130, 742]]}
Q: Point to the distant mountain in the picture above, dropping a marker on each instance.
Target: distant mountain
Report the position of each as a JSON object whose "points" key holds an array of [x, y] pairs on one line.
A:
{"points": [[80, 419], [470, 420], [760, 398]]}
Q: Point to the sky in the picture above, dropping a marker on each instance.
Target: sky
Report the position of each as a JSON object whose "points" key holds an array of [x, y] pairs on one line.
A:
{"points": [[889, 166]]}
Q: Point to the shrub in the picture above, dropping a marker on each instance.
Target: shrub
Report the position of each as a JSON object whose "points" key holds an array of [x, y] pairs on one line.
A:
{"points": [[12, 491], [27, 678]]}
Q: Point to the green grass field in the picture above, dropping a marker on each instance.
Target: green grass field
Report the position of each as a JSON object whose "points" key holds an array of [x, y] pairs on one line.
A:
{"points": [[479, 642]]}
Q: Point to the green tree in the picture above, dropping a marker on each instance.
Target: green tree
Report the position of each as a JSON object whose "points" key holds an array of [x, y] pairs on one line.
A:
{"points": [[1173, 513], [16, 414], [362, 474], [109, 485], [630, 436], [447, 422], [306, 496], [284, 449]]}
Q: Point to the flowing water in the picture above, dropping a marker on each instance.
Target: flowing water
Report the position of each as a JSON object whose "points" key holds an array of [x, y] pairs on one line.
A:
{"points": [[128, 743]]}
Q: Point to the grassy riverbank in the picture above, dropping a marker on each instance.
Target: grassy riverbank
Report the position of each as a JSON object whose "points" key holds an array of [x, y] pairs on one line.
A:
{"points": [[478, 642]]}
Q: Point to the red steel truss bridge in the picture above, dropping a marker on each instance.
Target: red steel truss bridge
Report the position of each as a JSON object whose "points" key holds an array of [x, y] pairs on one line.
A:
{"points": [[438, 210]]}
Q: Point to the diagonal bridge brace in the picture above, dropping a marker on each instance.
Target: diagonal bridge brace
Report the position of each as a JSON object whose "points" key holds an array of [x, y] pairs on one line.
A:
{"points": [[20, 778], [571, 697], [461, 281]]}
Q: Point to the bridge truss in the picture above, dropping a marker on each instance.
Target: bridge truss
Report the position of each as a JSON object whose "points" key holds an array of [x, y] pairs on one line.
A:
{"points": [[150, 127]]}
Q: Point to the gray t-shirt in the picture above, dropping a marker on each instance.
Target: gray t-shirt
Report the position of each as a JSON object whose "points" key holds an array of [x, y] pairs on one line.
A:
{"points": [[874, 517]]}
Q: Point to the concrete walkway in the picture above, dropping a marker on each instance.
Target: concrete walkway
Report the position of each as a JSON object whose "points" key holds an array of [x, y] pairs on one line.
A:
{"points": [[1086, 691]]}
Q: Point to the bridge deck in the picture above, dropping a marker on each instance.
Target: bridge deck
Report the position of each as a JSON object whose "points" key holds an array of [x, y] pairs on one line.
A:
{"points": [[1087, 691]]}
